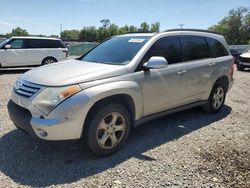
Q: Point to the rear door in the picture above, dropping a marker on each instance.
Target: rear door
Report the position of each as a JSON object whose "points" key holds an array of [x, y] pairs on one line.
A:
{"points": [[16, 55], [35, 51], [57, 49], [199, 65]]}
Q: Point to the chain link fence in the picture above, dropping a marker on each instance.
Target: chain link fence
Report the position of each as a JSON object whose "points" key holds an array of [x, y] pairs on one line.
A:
{"points": [[240, 48], [82, 48]]}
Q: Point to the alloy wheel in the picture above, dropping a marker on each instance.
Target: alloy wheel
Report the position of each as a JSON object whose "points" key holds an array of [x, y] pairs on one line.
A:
{"points": [[111, 130]]}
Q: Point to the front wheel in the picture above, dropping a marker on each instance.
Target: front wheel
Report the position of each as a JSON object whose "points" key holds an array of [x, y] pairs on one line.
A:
{"points": [[107, 129], [216, 99]]}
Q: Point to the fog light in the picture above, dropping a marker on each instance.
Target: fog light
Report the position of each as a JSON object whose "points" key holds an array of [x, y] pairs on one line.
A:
{"points": [[42, 132]]}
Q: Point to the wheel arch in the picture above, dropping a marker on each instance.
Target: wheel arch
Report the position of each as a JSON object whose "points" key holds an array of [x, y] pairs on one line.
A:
{"points": [[123, 99], [49, 57], [126, 93]]}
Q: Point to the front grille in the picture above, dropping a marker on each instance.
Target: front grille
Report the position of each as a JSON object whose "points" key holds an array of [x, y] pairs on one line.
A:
{"points": [[26, 89], [243, 59]]}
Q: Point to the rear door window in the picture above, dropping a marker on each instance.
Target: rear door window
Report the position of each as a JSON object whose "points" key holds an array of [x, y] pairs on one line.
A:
{"points": [[168, 47], [43, 43], [34, 43], [194, 47], [218, 50]]}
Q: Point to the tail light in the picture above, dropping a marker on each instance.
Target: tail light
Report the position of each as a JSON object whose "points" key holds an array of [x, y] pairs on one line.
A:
{"points": [[66, 53]]}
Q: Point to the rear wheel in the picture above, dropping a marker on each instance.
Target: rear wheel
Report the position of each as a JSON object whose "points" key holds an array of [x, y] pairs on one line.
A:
{"points": [[107, 129], [48, 60], [216, 99]]}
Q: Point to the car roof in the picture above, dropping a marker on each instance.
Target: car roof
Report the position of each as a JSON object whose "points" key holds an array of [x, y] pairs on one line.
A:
{"points": [[30, 37], [179, 31]]}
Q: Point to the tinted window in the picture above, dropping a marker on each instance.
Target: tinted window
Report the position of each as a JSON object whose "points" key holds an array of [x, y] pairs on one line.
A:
{"points": [[117, 50], [16, 44], [168, 47], [43, 43], [194, 47], [217, 48]]}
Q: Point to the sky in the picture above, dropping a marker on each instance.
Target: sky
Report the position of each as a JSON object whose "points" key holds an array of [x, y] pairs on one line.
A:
{"points": [[45, 16]]}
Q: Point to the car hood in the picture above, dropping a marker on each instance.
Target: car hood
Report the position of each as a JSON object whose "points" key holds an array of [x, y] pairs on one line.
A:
{"points": [[72, 72], [245, 55]]}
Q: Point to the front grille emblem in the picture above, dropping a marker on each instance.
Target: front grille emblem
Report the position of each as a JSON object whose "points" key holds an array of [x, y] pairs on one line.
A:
{"points": [[18, 84]]}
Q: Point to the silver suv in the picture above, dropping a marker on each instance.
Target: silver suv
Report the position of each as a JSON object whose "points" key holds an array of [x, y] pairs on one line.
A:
{"points": [[123, 82]]}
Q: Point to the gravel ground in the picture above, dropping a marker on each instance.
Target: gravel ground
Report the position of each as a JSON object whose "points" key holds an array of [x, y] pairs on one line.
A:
{"points": [[186, 149]]}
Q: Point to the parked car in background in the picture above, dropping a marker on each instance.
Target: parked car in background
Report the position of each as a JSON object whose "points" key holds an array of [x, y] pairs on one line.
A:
{"points": [[235, 54], [31, 51], [243, 61], [123, 82]]}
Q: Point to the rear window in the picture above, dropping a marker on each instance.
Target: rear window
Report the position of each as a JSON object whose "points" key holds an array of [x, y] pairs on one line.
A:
{"points": [[194, 47], [43, 43], [218, 50]]}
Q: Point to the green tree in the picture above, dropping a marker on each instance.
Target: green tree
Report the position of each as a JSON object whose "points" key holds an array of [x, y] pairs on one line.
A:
{"points": [[132, 29], [144, 27], [70, 35], [235, 26], [18, 32], [88, 34], [113, 30], [124, 29], [155, 27], [105, 23]]}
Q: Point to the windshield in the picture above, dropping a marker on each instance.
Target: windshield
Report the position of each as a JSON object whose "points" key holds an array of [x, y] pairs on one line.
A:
{"points": [[4, 42], [117, 50]]}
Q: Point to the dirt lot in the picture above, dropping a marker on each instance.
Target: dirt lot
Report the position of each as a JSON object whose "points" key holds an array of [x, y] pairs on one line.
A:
{"points": [[187, 149]]}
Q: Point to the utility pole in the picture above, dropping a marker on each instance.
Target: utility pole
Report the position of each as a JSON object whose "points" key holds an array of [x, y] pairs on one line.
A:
{"points": [[61, 31], [181, 25]]}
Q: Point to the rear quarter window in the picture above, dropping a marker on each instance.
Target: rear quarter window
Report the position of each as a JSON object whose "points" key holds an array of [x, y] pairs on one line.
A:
{"points": [[218, 50]]}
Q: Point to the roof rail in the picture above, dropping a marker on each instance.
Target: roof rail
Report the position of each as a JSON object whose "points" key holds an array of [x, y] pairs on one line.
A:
{"points": [[198, 30], [138, 32]]}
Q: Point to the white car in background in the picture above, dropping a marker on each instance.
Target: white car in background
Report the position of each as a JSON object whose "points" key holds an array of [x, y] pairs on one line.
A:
{"points": [[31, 51], [243, 61]]}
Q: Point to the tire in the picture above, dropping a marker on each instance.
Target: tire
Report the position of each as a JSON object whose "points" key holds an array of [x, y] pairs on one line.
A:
{"points": [[107, 129], [48, 60], [216, 98], [240, 67]]}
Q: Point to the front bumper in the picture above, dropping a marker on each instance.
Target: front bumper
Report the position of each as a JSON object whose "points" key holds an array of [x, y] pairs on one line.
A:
{"points": [[21, 118], [245, 64], [65, 122]]}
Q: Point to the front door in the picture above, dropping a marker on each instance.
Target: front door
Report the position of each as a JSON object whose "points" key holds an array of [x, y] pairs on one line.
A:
{"points": [[164, 88], [16, 55]]}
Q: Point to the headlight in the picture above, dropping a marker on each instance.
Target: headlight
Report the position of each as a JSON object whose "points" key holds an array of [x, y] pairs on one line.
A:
{"points": [[50, 97]]}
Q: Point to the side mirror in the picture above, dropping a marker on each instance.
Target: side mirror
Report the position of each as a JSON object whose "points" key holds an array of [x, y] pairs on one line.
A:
{"points": [[8, 46], [156, 62]]}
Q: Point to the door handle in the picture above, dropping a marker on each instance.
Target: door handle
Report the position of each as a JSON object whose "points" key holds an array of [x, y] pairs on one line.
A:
{"points": [[181, 72], [211, 64]]}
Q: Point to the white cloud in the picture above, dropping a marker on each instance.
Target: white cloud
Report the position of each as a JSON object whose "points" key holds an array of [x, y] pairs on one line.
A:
{"points": [[4, 24]]}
